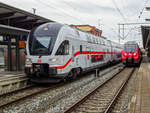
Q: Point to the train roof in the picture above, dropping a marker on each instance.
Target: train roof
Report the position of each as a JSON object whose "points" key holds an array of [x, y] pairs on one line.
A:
{"points": [[131, 42], [82, 34]]}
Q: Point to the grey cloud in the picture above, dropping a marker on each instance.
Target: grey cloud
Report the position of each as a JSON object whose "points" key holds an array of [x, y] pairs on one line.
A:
{"points": [[133, 7], [88, 7]]}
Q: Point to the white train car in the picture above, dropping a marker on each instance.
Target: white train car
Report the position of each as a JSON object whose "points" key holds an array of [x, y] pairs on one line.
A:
{"points": [[56, 51]]}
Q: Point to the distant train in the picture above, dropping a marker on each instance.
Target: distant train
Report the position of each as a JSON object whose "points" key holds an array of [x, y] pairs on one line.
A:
{"points": [[56, 52], [131, 53]]}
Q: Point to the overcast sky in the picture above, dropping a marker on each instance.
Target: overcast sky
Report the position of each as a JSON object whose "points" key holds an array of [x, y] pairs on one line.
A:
{"points": [[106, 13]]}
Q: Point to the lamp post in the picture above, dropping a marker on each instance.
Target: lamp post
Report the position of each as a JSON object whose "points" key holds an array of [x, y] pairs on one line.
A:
{"points": [[34, 10]]}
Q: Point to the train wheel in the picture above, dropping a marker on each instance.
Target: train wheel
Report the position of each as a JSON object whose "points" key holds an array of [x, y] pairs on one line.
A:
{"points": [[75, 73], [64, 80], [78, 71], [70, 75]]}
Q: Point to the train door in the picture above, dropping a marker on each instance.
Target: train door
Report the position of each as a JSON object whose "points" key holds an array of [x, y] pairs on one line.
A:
{"points": [[88, 57], [66, 55], [74, 58], [80, 58]]}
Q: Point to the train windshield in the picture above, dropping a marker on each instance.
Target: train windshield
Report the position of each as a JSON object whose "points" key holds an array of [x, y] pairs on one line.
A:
{"points": [[43, 38], [130, 48], [41, 44]]}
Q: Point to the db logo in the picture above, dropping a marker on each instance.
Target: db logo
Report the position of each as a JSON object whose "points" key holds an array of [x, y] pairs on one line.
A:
{"points": [[39, 61]]}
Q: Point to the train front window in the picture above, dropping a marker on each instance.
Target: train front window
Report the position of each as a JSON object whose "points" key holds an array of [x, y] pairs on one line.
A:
{"points": [[41, 44], [130, 48], [42, 39]]}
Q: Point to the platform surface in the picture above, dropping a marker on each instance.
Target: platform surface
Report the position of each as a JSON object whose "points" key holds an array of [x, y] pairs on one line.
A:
{"points": [[141, 97], [10, 73]]}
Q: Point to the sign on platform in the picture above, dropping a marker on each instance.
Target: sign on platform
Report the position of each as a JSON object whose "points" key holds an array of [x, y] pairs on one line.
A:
{"points": [[21, 44]]}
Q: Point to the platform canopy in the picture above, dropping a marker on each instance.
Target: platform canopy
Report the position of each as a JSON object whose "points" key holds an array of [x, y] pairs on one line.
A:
{"points": [[18, 18], [146, 36], [12, 30]]}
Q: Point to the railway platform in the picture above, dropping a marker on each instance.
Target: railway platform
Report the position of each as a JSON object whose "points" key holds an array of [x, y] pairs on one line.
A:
{"points": [[10, 81], [140, 101], [5, 74]]}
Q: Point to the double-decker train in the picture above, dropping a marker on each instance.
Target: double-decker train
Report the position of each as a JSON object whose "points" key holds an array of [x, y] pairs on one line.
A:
{"points": [[131, 53], [55, 51]]}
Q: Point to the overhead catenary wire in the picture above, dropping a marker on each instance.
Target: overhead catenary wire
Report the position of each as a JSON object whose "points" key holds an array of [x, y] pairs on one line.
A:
{"points": [[53, 7], [116, 6], [66, 3], [122, 15], [141, 12], [132, 29]]}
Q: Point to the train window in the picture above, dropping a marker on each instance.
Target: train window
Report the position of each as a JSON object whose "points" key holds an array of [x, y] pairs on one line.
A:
{"points": [[38, 43], [63, 48], [130, 48], [102, 42], [99, 41], [96, 41], [77, 32], [88, 38], [105, 43]]}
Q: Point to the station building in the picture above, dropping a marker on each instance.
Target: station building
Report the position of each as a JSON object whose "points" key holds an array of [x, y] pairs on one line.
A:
{"points": [[15, 25], [91, 29]]}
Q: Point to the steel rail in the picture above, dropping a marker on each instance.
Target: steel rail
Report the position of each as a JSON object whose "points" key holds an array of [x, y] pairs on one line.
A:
{"points": [[38, 92], [119, 92], [35, 93], [70, 109], [32, 94], [16, 90]]}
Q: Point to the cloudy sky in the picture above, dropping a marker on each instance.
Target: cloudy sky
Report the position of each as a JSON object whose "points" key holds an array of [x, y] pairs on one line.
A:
{"points": [[104, 14]]}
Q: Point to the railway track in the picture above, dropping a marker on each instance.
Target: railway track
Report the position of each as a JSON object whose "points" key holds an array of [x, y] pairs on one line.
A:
{"points": [[122, 102], [103, 97], [24, 93], [27, 95], [19, 95]]}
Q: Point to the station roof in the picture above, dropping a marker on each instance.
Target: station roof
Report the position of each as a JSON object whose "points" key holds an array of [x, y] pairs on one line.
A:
{"points": [[12, 30], [145, 36], [18, 18]]}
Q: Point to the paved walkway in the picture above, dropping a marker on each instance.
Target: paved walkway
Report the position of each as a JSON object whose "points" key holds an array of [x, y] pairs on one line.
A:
{"points": [[10, 73], [140, 102]]}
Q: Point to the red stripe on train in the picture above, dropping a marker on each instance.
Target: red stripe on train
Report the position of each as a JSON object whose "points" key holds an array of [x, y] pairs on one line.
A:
{"points": [[85, 53]]}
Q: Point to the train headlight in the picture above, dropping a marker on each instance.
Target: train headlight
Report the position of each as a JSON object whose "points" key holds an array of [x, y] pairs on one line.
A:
{"points": [[28, 60], [125, 54], [134, 54], [53, 59]]}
